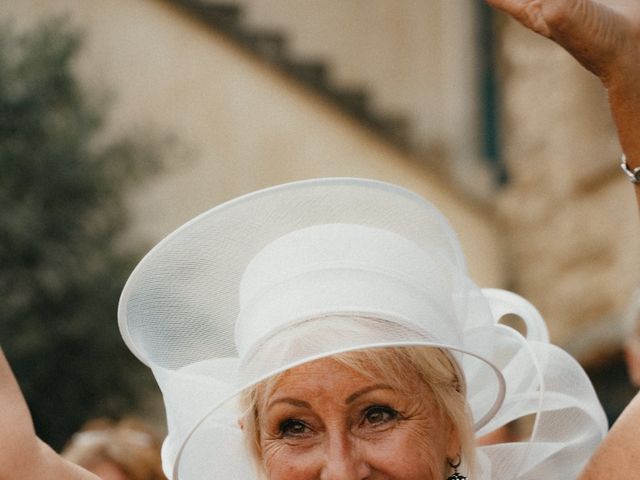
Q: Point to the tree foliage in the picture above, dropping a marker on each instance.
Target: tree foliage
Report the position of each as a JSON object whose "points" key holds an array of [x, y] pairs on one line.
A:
{"points": [[62, 209]]}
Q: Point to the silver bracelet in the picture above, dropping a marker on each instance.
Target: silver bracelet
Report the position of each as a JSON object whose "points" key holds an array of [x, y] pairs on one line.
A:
{"points": [[634, 175]]}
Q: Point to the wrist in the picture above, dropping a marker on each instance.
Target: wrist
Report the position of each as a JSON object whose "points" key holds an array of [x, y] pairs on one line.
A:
{"points": [[632, 173], [624, 99]]}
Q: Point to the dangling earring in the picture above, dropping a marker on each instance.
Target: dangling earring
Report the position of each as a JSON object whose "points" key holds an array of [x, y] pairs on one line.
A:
{"points": [[456, 475]]}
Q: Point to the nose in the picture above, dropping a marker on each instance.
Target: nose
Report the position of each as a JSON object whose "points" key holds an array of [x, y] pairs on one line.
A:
{"points": [[344, 460]]}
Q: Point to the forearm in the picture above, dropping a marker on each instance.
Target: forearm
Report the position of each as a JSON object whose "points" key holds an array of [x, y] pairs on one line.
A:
{"points": [[22, 455], [37, 461], [624, 99], [619, 454], [54, 466]]}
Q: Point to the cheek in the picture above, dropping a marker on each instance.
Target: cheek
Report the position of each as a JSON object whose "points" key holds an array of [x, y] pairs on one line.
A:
{"points": [[412, 451], [285, 462]]}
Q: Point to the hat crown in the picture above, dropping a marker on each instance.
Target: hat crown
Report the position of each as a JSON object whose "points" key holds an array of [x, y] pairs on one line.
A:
{"points": [[344, 268]]}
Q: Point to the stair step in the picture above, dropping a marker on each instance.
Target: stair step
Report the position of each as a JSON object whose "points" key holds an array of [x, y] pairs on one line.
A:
{"points": [[395, 128], [313, 73], [271, 45], [353, 100], [225, 16]]}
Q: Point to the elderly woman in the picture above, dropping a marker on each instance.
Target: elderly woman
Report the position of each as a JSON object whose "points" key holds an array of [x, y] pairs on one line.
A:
{"points": [[328, 330]]}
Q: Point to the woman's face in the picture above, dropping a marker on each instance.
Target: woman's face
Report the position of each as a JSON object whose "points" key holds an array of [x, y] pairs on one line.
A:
{"points": [[324, 421]]}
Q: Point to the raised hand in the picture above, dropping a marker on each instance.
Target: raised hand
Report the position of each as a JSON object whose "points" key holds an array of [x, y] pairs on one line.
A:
{"points": [[602, 36]]}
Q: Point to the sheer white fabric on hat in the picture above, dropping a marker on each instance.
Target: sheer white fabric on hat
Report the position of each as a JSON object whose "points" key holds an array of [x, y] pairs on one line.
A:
{"points": [[305, 270]]}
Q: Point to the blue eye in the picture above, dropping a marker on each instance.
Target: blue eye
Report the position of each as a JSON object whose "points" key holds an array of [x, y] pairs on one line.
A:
{"points": [[293, 428], [378, 415]]}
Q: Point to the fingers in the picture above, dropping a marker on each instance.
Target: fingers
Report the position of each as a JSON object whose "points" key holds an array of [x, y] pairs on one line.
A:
{"points": [[580, 20], [527, 12], [595, 34]]}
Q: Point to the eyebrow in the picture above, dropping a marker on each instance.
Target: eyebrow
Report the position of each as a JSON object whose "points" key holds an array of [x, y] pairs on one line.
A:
{"points": [[378, 386], [291, 401], [350, 399]]}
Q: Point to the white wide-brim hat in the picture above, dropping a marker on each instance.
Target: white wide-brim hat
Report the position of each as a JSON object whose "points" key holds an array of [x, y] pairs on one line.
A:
{"points": [[309, 269]]}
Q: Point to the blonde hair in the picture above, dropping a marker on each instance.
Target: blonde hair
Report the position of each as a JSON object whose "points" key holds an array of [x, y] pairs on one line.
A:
{"points": [[130, 445], [398, 367]]}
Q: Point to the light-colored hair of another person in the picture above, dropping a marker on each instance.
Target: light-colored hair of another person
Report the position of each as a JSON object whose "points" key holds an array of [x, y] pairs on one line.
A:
{"points": [[397, 367], [631, 318], [130, 445]]}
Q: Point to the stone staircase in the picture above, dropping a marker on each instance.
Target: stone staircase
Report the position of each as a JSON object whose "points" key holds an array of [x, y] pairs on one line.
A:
{"points": [[271, 47]]}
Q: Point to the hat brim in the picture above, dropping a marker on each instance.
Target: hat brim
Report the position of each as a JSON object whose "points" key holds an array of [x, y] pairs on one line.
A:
{"points": [[194, 273]]}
